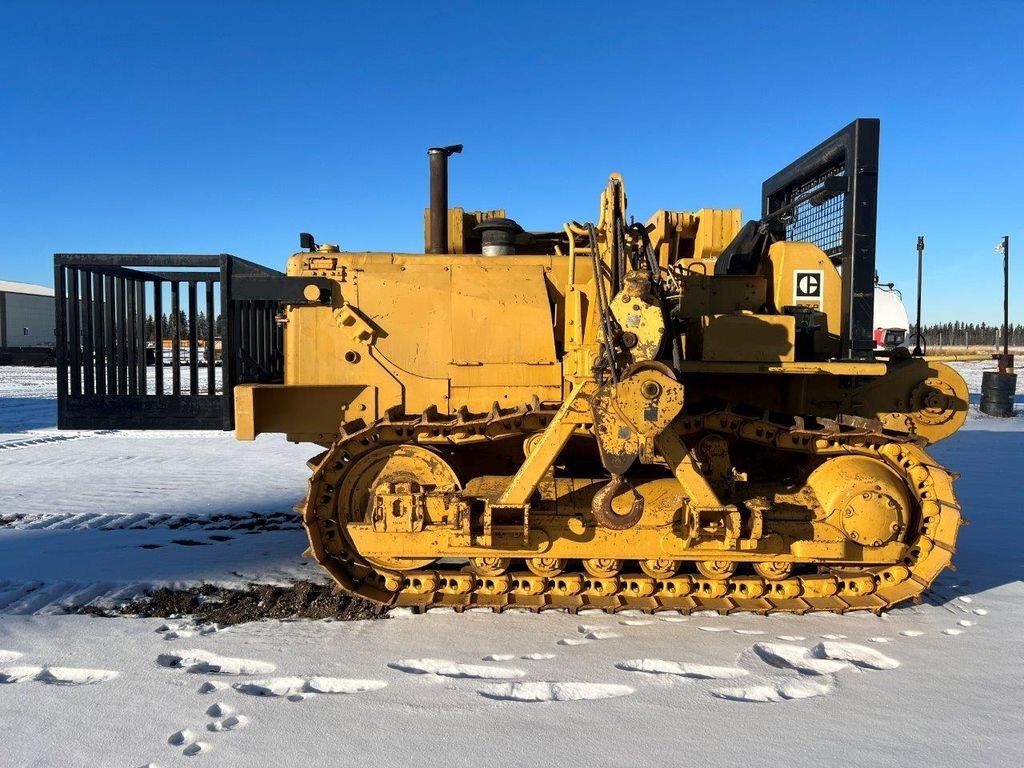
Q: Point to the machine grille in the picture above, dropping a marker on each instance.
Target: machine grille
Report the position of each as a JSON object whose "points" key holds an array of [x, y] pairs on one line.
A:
{"points": [[820, 224]]}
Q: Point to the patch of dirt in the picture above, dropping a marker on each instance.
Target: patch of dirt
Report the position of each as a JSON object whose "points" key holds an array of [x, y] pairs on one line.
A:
{"points": [[207, 603]]}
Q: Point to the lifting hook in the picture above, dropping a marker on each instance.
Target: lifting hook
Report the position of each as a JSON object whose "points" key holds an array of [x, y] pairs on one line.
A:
{"points": [[601, 506]]}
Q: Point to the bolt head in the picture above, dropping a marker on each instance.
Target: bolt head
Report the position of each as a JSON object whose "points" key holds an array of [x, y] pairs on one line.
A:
{"points": [[650, 389]]}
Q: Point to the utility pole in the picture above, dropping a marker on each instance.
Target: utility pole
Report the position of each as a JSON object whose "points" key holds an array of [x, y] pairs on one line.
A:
{"points": [[1005, 361], [998, 387], [920, 262]]}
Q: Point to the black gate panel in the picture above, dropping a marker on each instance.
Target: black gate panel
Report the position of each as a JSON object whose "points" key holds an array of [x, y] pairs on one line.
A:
{"points": [[829, 197], [148, 341]]}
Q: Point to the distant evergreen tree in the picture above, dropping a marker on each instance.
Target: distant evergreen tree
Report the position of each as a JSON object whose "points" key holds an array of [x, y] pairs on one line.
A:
{"points": [[980, 335], [179, 326]]}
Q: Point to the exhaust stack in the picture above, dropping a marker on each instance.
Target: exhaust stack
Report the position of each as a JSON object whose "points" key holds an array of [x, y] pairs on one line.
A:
{"points": [[439, 196]]}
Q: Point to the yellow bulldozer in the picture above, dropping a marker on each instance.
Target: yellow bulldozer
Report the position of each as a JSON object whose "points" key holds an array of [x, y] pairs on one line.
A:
{"points": [[682, 414]]}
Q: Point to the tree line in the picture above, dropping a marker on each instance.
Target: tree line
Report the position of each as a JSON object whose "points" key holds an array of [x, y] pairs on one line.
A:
{"points": [[958, 334], [177, 327]]}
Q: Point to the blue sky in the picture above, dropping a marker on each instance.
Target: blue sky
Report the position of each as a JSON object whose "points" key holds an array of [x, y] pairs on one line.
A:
{"points": [[230, 127]]}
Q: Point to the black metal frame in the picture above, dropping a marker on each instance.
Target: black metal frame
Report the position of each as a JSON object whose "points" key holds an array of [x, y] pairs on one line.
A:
{"points": [[853, 154], [101, 310]]}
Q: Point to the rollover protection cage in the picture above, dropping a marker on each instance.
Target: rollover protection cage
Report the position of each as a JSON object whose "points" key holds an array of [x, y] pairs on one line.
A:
{"points": [[835, 190], [154, 341]]}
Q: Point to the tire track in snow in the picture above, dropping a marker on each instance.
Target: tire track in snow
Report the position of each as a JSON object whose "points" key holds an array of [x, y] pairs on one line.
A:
{"points": [[49, 439], [225, 521]]}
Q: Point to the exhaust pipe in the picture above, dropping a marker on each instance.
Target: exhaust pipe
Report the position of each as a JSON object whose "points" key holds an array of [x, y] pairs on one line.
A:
{"points": [[439, 196]]}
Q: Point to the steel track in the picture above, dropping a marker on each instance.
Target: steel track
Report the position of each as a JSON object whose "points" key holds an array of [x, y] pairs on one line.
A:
{"points": [[932, 542]]}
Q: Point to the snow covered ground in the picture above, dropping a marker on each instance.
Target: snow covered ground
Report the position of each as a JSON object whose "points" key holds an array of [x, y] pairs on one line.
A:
{"points": [[94, 516]]}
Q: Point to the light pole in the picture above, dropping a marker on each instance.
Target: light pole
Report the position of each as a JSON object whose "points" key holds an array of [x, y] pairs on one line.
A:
{"points": [[920, 262], [998, 387], [1005, 359]]}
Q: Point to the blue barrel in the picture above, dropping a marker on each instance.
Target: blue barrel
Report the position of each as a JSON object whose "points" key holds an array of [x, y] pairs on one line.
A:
{"points": [[997, 392]]}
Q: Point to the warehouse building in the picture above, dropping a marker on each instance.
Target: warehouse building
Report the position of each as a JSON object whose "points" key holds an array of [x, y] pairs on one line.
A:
{"points": [[26, 322]]}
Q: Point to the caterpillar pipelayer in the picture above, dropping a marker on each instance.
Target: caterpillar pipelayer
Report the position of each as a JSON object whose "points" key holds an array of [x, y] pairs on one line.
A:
{"points": [[681, 414]]}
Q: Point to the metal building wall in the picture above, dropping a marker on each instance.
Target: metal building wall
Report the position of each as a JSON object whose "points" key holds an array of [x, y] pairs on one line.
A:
{"points": [[26, 320]]}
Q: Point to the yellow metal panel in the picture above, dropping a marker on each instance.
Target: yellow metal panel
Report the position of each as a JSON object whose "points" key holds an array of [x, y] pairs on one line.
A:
{"points": [[500, 314], [308, 410], [721, 294], [717, 228], [789, 259], [749, 337], [410, 305]]}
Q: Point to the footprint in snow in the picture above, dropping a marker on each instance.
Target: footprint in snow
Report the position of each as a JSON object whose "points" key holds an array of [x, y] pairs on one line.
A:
{"points": [[682, 669], [294, 688], [797, 658], [499, 657], [911, 633], [833, 637], [879, 639], [195, 748], [859, 655], [713, 629], [952, 632], [180, 738], [538, 656], [785, 691], [634, 623], [230, 723], [210, 663], [573, 641], [600, 634], [209, 687], [55, 675], [674, 619], [791, 638], [446, 668], [965, 599], [748, 631], [219, 709], [981, 612], [543, 691], [19, 674], [591, 632], [965, 623]]}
